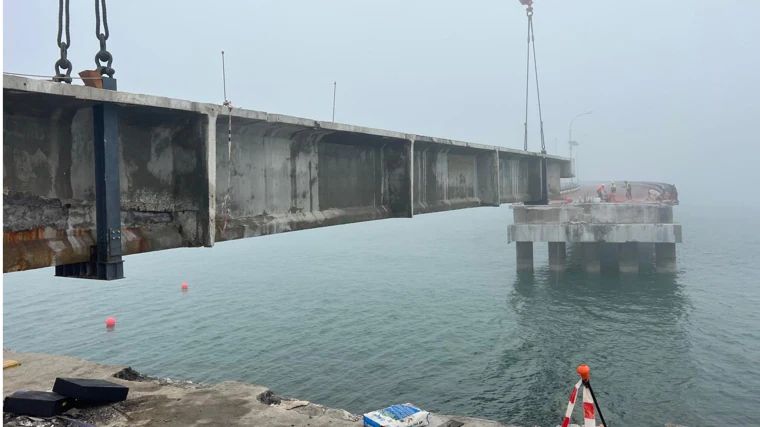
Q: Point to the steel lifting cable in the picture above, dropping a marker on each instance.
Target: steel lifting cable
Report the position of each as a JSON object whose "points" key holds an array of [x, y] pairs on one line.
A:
{"points": [[103, 56], [527, 83], [63, 62], [532, 41], [538, 91]]}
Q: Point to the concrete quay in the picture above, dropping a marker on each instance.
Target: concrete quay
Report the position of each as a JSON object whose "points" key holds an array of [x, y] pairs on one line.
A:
{"points": [[153, 401], [628, 233]]}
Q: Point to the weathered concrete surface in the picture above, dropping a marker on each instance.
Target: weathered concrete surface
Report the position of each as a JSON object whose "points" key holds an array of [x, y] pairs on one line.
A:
{"points": [[451, 177], [610, 233], [557, 256], [597, 213], [524, 256], [628, 257], [183, 185], [665, 257], [168, 403], [601, 229], [591, 257], [595, 222]]}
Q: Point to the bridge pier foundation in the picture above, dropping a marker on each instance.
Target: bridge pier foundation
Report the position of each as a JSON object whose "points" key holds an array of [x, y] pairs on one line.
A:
{"points": [[628, 257], [592, 262], [557, 255], [524, 256], [665, 257], [610, 235]]}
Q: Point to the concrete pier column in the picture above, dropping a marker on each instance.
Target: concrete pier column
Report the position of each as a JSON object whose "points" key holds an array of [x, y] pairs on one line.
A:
{"points": [[628, 257], [665, 257], [557, 256], [591, 257], [646, 253], [524, 256]]}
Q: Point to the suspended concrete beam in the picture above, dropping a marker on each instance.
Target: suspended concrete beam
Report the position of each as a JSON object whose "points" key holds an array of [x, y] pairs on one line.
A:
{"points": [[182, 185]]}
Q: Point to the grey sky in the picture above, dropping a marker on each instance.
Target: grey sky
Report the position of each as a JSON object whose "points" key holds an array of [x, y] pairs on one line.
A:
{"points": [[673, 84]]}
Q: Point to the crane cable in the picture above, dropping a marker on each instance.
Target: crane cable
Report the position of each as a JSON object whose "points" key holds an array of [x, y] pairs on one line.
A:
{"points": [[63, 62], [532, 45], [103, 59]]}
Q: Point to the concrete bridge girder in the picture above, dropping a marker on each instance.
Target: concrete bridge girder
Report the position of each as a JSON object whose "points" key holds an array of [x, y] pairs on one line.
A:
{"points": [[181, 187]]}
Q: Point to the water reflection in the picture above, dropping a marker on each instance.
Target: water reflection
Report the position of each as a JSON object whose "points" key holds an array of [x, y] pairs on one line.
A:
{"points": [[618, 324]]}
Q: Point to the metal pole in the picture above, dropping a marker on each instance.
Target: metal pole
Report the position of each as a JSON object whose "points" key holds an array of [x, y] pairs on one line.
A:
{"points": [[527, 86], [570, 128], [335, 91], [109, 265], [224, 78], [570, 138], [598, 409], [544, 180], [105, 261]]}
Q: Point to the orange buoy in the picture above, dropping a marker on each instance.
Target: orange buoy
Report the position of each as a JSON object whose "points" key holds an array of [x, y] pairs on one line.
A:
{"points": [[184, 286], [110, 322], [584, 371]]}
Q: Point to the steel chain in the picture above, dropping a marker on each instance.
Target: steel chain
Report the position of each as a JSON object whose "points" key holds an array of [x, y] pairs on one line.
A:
{"points": [[63, 62], [103, 59]]}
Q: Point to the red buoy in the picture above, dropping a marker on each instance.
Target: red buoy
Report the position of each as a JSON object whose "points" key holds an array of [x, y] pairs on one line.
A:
{"points": [[110, 322], [184, 286], [584, 371]]}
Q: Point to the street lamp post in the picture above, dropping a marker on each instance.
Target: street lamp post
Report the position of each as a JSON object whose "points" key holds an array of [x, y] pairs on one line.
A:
{"points": [[570, 141], [572, 159], [335, 91], [570, 128]]}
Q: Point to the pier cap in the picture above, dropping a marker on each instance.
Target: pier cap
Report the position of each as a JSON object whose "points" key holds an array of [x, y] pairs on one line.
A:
{"points": [[584, 371]]}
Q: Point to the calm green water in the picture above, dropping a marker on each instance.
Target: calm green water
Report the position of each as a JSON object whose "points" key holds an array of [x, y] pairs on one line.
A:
{"points": [[430, 311]]}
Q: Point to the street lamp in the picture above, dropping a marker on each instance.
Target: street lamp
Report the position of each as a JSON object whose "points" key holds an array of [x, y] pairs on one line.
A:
{"points": [[570, 128]]}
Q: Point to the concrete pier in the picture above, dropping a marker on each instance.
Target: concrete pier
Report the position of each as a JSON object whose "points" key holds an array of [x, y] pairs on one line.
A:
{"points": [[665, 257], [628, 257], [524, 256], [557, 255], [612, 235], [592, 257]]}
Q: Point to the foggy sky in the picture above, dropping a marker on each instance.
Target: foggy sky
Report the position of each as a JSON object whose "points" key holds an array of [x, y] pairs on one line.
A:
{"points": [[673, 85]]}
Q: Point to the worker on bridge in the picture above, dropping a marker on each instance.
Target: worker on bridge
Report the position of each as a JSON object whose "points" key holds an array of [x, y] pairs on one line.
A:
{"points": [[601, 193], [628, 191]]}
